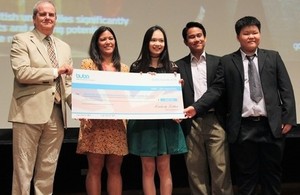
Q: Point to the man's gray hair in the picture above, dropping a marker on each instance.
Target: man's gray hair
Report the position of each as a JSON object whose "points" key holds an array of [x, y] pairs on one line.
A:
{"points": [[35, 10]]}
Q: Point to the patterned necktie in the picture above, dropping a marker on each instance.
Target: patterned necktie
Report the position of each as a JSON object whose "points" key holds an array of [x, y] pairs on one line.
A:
{"points": [[254, 81], [53, 59]]}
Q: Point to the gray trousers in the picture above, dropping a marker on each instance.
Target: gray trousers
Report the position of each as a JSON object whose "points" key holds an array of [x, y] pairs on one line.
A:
{"points": [[207, 159]]}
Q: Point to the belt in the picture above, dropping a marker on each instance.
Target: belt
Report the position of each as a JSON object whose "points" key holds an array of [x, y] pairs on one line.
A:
{"points": [[212, 110], [255, 118]]}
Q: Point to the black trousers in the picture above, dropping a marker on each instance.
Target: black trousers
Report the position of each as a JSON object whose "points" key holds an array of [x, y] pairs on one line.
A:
{"points": [[257, 157]]}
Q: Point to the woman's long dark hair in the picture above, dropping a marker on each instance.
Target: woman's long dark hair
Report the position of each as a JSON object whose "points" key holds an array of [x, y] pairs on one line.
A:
{"points": [[144, 58], [94, 50]]}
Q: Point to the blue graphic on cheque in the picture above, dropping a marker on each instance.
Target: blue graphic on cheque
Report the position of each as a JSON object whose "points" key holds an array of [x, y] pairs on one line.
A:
{"points": [[126, 87], [168, 99]]}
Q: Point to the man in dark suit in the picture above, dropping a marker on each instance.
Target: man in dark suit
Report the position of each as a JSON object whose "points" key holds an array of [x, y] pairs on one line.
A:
{"points": [[42, 87], [256, 127], [207, 159]]}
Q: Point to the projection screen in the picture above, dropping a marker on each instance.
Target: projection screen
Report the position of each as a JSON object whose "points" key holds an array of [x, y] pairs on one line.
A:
{"points": [[78, 19]]}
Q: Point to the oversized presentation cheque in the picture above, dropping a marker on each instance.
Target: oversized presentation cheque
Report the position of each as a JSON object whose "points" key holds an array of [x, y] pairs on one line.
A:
{"points": [[120, 95]]}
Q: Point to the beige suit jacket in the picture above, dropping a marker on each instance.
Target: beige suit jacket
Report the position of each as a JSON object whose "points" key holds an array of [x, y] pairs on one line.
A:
{"points": [[34, 87]]}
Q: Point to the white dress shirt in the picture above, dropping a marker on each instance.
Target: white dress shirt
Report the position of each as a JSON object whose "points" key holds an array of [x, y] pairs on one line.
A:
{"points": [[251, 108], [199, 75]]}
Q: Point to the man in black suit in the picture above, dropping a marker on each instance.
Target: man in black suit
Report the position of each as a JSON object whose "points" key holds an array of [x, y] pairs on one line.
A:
{"points": [[207, 159], [256, 128]]}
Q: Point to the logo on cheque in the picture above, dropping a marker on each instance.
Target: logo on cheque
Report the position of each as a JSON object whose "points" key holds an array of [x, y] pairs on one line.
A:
{"points": [[82, 76]]}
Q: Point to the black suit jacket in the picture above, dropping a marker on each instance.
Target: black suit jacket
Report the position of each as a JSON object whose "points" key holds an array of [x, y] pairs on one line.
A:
{"points": [[276, 84], [184, 65]]}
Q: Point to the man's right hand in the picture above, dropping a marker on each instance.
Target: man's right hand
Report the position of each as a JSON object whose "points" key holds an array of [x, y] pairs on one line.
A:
{"points": [[65, 69], [190, 112]]}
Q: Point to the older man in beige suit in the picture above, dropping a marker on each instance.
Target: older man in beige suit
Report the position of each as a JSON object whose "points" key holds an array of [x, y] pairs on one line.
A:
{"points": [[42, 66]]}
